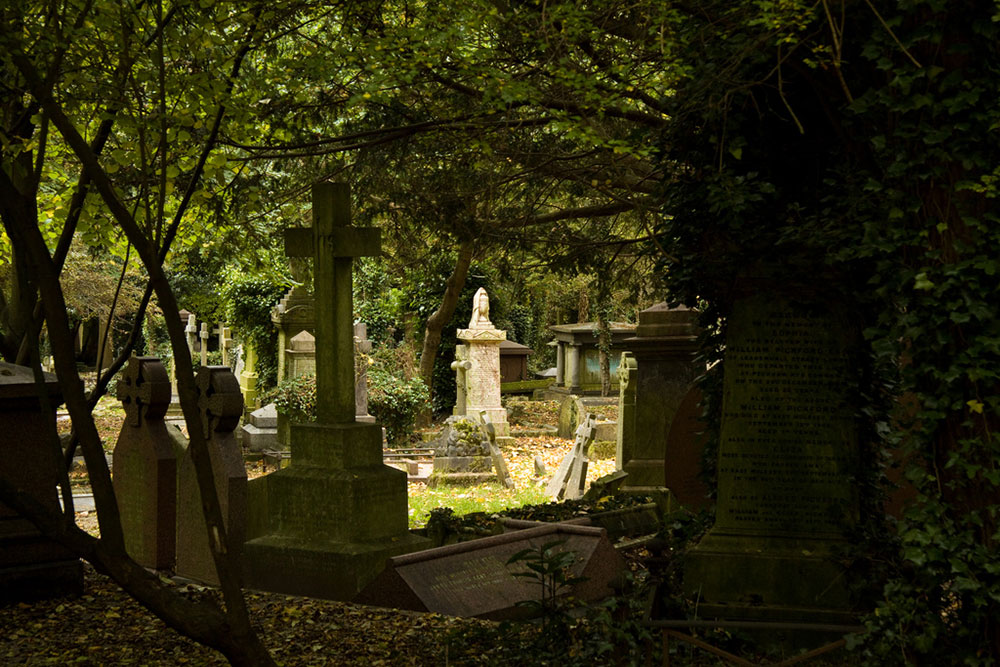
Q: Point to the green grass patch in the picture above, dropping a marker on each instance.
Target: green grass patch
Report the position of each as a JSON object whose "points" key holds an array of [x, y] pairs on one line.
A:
{"points": [[490, 497]]}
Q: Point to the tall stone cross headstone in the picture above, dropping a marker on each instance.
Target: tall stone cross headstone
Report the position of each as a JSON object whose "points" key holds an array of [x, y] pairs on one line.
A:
{"points": [[336, 512], [461, 366], [144, 464]]}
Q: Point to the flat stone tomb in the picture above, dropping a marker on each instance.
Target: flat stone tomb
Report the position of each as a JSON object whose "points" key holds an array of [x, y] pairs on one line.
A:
{"points": [[788, 446], [473, 579], [324, 525]]}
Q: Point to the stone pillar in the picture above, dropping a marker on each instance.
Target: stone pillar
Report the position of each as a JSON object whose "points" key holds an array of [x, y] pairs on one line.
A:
{"points": [[560, 364], [191, 330], [461, 365], [144, 461], [362, 352], [203, 335], [221, 406], [627, 381], [483, 374], [31, 565], [248, 378], [664, 348], [573, 368]]}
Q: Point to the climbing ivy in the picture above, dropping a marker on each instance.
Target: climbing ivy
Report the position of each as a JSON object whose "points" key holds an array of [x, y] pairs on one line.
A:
{"points": [[852, 149]]}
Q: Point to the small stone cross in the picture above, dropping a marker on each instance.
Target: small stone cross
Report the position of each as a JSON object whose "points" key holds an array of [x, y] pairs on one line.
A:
{"points": [[333, 244], [144, 390]]}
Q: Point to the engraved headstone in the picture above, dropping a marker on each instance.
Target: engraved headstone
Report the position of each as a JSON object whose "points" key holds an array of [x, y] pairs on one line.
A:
{"points": [[221, 406], [482, 377], [144, 464], [473, 578], [787, 450]]}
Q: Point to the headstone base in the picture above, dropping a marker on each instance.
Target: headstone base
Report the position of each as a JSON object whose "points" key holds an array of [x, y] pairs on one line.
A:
{"points": [[643, 473], [768, 578], [459, 479], [325, 525], [320, 569]]}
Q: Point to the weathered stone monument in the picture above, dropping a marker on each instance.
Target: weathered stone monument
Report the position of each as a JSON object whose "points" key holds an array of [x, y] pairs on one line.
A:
{"points": [[482, 376], [300, 356], [260, 432], [248, 377], [664, 348], [220, 404], [31, 566], [329, 520], [461, 366], [144, 464], [295, 313], [625, 437], [578, 359], [787, 452]]}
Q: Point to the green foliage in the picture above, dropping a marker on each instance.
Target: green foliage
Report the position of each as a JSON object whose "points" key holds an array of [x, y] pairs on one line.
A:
{"points": [[549, 565], [395, 402], [897, 220], [248, 304], [295, 398]]}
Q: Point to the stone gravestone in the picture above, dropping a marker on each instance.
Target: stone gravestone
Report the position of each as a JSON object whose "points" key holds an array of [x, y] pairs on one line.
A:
{"points": [[329, 520], [296, 312], [248, 377], [300, 357], [362, 350], [473, 579], [625, 437], [31, 566], [571, 475], [685, 443], [203, 345], [221, 406], [260, 433], [788, 446], [499, 464], [664, 348], [144, 463], [482, 378]]}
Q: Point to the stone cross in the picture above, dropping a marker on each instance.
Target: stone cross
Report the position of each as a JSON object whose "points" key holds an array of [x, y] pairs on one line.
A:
{"points": [[192, 332], [571, 476], [460, 366], [225, 335], [203, 334], [333, 244]]}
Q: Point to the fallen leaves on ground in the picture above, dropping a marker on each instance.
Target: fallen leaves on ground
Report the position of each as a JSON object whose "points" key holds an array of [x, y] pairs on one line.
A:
{"points": [[106, 627]]}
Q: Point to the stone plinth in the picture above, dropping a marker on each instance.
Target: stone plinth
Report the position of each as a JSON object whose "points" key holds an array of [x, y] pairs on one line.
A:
{"points": [[221, 406], [31, 566], [145, 464], [664, 348], [260, 433], [787, 450], [482, 376]]}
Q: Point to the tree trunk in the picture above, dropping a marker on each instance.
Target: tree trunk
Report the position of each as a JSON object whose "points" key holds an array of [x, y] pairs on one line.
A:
{"points": [[604, 349], [440, 317]]}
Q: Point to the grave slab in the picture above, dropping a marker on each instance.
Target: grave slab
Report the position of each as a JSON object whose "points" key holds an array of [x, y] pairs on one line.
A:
{"points": [[472, 579]]}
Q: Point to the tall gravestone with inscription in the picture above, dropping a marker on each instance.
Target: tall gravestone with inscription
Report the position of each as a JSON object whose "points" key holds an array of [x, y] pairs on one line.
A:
{"points": [[787, 451], [482, 375], [325, 525]]}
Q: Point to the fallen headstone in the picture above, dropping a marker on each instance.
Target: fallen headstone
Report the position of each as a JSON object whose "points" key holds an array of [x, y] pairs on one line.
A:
{"points": [[473, 578], [571, 475]]}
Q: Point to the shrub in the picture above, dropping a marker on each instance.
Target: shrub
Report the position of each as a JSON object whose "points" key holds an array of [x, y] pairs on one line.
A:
{"points": [[295, 398], [395, 402]]}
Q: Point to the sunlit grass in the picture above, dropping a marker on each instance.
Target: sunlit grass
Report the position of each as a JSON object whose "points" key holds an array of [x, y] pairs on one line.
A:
{"points": [[490, 497]]}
